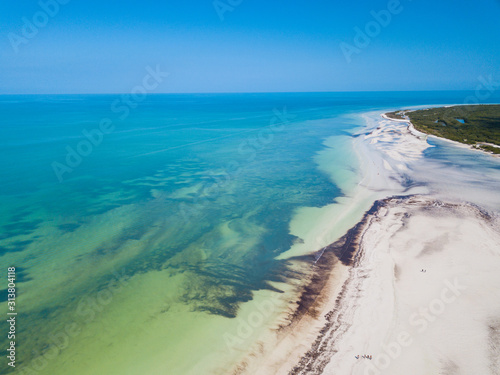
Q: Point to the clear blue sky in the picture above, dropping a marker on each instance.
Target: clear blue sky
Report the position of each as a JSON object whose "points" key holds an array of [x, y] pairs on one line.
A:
{"points": [[261, 45]]}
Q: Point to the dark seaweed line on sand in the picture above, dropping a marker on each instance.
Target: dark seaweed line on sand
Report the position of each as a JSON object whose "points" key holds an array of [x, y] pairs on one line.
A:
{"points": [[322, 262], [346, 250], [343, 249]]}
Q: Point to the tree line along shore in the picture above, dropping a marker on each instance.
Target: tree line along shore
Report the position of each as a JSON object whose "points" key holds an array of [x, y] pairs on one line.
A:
{"points": [[475, 125]]}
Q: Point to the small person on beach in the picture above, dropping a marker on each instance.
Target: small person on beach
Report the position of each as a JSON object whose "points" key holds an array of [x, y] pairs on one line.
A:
{"points": [[364, 356]]}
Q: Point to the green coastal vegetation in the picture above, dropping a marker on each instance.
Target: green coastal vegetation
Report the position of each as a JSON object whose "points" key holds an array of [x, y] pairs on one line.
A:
{"points": [[397, 115], [475, 125]]}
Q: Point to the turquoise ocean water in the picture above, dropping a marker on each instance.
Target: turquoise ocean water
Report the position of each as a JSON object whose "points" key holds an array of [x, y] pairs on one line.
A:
{"points": [[144, 233]]}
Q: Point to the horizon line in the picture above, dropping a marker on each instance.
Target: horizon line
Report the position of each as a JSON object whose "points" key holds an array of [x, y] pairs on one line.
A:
{"points": [[236, 92]]}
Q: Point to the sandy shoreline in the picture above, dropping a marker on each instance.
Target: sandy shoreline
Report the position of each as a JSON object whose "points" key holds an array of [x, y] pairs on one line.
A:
{"points": [[369, 288], [418, 133]]}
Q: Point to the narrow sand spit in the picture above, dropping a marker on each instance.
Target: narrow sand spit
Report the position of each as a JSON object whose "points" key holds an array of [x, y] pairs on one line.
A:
{"points": [[415, 284]]}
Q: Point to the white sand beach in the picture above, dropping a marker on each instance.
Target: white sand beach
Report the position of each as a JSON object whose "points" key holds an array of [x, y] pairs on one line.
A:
{"points": [[422, 296], [418, 288]]}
